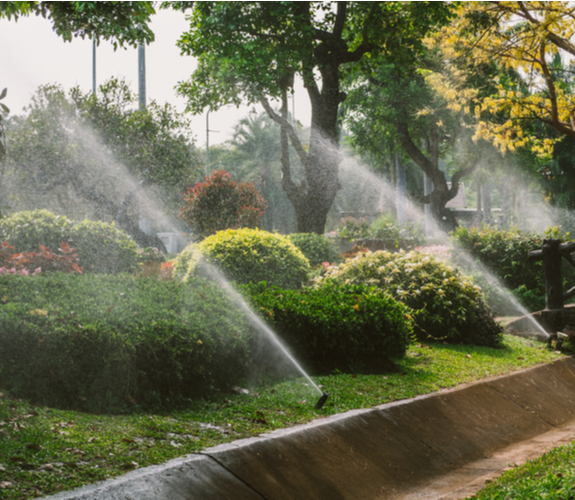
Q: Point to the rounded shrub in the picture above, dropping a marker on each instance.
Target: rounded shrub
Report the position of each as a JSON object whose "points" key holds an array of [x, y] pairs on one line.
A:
{"points": [[220, 203], [446, 305], [101, 246], [28, 229], [247, 256], [316, 247], [336, 326], [108, 343]]}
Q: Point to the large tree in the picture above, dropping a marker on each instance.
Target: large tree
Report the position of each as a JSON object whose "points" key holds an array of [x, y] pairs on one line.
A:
{"points": [[250, 52], [394, 105]]}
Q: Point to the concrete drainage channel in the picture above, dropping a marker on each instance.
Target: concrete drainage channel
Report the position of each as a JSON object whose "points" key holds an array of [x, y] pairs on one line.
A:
{"points": [[442, 445]]}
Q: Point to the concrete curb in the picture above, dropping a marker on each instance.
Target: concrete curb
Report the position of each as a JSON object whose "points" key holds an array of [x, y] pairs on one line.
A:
{"points": [[385, 452]]}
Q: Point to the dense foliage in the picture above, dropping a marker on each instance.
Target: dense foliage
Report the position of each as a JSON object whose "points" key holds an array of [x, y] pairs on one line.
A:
{"points": [[504, 255], [446, 306], [221, 203], [343, 327], [251, 51], [316, 247], [101, 247], [246, 256], [88, 155], [111, 343], [104, 343]]}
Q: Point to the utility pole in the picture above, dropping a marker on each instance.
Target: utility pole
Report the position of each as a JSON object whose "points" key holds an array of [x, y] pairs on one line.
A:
{"points": [[208, 143], [142, 76], [94, 67]]}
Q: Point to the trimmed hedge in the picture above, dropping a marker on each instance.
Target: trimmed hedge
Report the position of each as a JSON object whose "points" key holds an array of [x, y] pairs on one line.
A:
{"points": [[111, 343], [247, 256], [446, 306], [337, 326], [105, 343], [316, 247], [101, 247]]}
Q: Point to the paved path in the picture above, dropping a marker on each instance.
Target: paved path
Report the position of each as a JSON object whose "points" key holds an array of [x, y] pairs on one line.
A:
{"points": [[443, 445]]}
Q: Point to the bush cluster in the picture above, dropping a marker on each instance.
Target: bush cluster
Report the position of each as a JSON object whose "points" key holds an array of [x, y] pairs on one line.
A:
{"points": [[336, 326], [445, 305], [113, 342], [101, 247], [246, 256], [504, 254], [316, 247]]}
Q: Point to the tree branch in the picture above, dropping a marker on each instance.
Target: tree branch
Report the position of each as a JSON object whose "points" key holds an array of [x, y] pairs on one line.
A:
{"points": [[284, 123]]}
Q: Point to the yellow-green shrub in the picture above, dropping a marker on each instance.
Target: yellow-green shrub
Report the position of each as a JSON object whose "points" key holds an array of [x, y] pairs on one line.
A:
{"points": [[247, 256]]}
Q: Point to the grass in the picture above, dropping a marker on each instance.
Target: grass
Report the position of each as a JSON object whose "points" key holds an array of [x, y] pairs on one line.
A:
{"points": [[551, 476], [45, 450]]}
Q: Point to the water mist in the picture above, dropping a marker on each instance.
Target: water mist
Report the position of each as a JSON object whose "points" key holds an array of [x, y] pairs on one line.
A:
{"points": [[378, 194], [116, 177]]}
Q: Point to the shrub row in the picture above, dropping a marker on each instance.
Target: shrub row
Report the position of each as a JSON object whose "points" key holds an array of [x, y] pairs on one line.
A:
{"points": [[503, 253], [105, 343], [101, 342], [101, 247]]}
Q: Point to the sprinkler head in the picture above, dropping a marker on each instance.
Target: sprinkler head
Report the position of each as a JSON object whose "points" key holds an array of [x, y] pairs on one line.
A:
{"points": [[321, 401]]}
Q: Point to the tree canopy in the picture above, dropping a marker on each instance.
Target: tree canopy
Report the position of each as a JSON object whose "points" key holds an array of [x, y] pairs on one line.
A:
{"points": [[88, 156], [250, 52], [531, 44], [119, 22]]}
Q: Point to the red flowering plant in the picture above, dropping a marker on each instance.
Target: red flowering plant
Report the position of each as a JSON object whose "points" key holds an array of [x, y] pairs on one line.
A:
{"points": [[23, 263], [221, 203]]}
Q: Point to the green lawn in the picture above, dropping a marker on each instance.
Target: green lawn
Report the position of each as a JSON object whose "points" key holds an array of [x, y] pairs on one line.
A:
{"points": [[45, 450]]}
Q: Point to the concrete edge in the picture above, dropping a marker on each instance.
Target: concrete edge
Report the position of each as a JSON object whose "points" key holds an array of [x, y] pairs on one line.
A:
{"points": [[250, 468]]}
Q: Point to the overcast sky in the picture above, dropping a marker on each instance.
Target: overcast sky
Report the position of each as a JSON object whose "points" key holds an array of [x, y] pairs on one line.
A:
{"points": [[31, 54]]}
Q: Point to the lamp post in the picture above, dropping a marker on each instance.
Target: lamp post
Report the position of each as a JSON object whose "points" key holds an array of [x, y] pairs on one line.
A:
{"points": [[94, 66], [208, 142], [142, 76]]}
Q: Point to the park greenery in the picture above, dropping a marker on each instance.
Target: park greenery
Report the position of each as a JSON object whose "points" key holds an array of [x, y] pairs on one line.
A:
{"points": [[106, 366]]}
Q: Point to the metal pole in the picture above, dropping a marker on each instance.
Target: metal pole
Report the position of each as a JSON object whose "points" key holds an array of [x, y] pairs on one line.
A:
{"points": [[208, 143], [142, 76], [93, 66]]}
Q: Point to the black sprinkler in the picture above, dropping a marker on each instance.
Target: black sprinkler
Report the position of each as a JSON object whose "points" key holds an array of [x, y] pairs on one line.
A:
{"points": [[321, 401]]}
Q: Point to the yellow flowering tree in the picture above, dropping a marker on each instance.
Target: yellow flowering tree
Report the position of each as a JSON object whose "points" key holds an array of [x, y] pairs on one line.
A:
{"points": [[530, 43]]}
